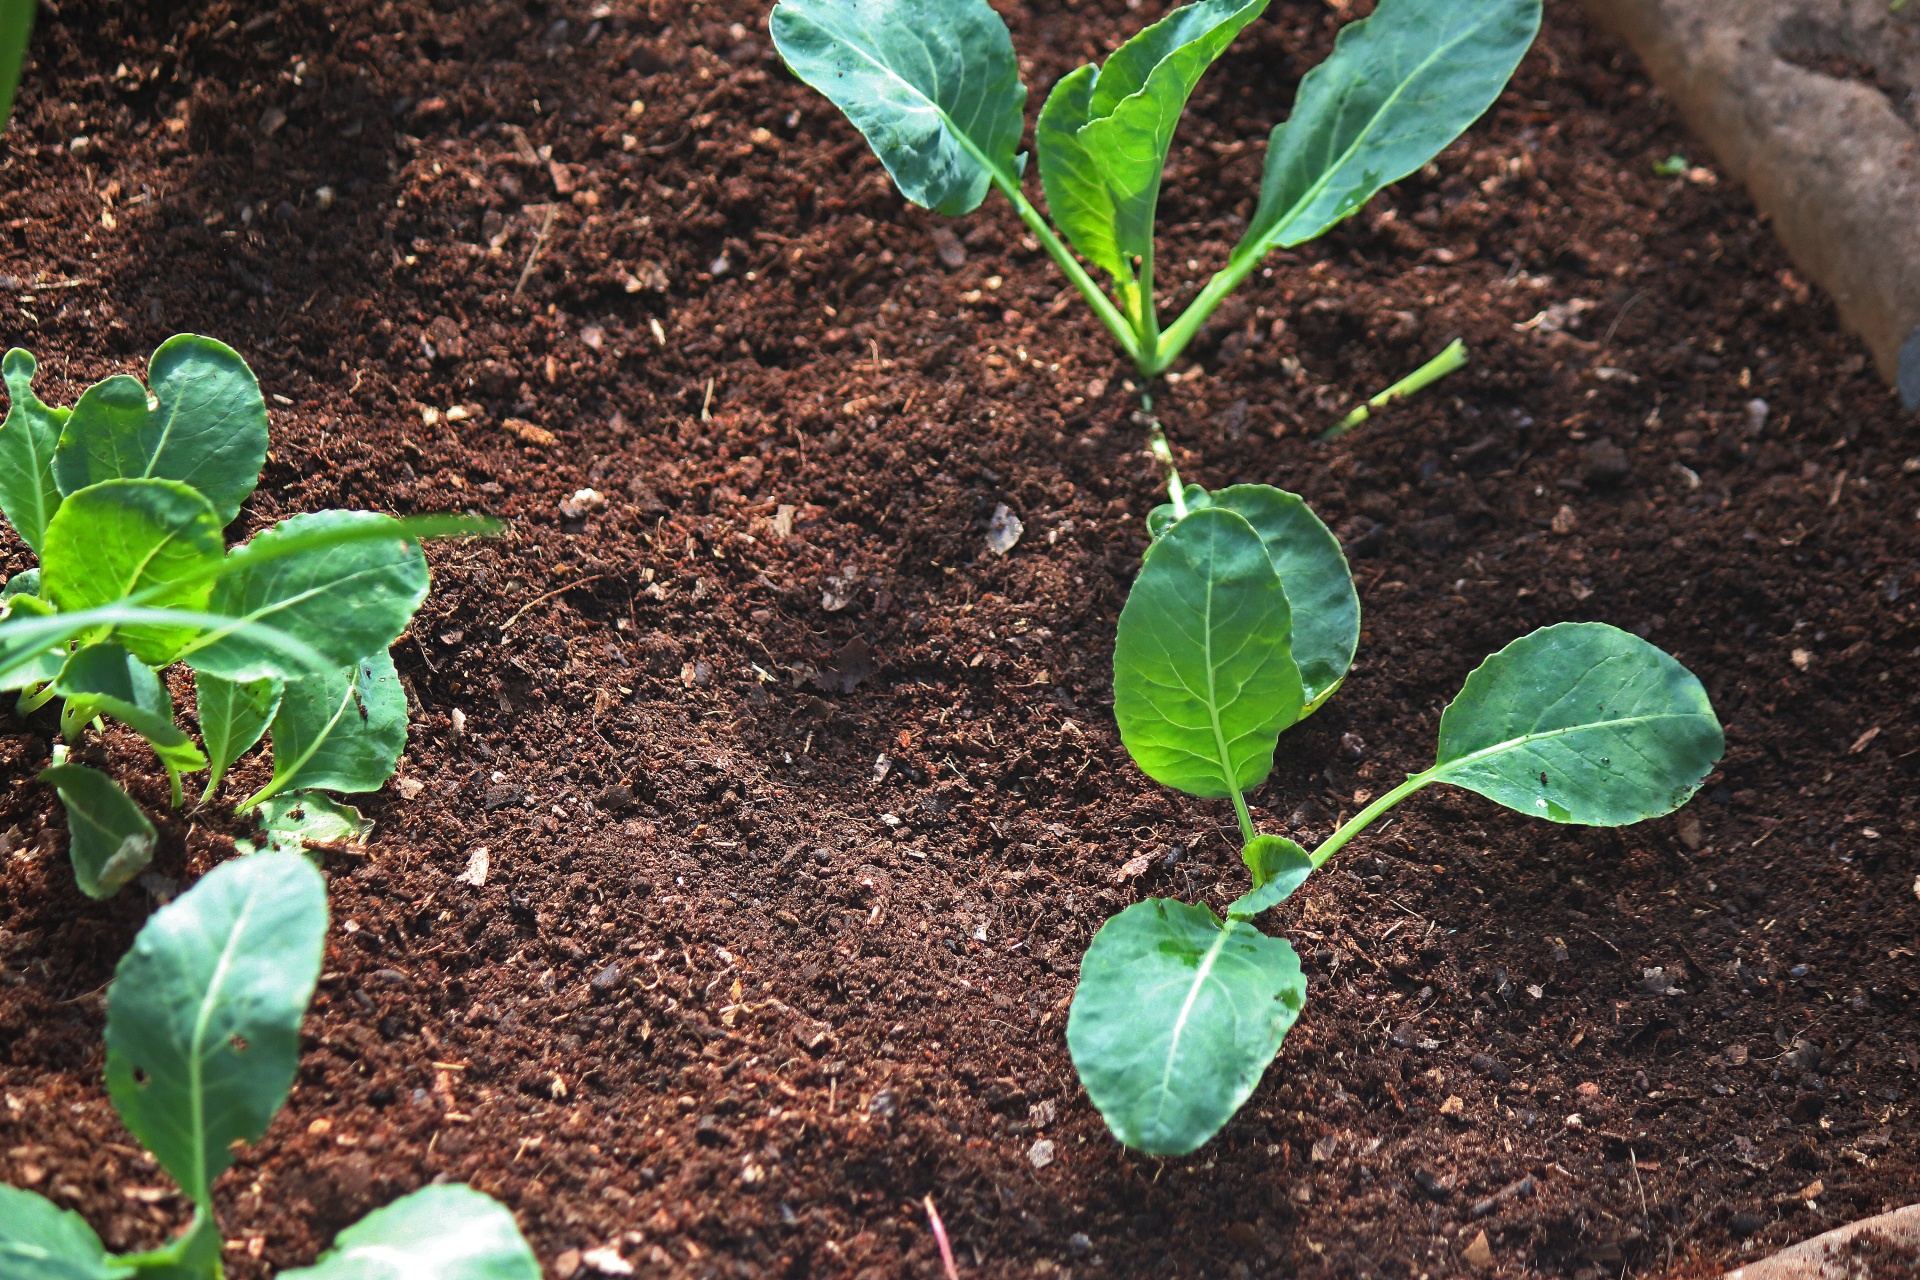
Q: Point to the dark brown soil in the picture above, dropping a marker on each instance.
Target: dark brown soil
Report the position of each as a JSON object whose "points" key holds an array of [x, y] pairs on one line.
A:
{"points": [[785, 904]]}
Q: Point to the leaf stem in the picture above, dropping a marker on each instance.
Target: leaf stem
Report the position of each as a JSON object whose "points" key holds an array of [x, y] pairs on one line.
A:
{"points": [[32, 700], [1452, 358], [1247, 833], [1362, 820], [1070, 267], [1163, 453], [1178, 334]]}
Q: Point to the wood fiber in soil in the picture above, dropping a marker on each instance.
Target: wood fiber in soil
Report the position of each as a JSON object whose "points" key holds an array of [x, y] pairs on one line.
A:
{"points": [[785, 903]]}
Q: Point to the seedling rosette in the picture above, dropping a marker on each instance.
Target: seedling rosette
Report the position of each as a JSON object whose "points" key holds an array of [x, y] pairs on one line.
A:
{"points": [[203, 1037], [126, 497], [1227, 639]]}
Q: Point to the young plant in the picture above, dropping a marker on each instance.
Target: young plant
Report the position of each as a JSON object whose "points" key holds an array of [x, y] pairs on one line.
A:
{"points": [[1178, 1011], [124, 497], [203, 1036], [935, 87]]}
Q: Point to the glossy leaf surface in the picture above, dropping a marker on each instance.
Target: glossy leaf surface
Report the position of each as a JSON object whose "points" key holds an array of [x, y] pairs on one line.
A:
{"points": [[932, 84], [120, 537], [41, 1241], [203, 1017], [105, 678], [1103, 145], [346, 599], [1278, 866], [342, 732], [1399, 86], [1581, 722], [233, 715], [1204, 680], [28, 438], [1176, 1016], [449, 1232], [208, 429], [108, 839]]}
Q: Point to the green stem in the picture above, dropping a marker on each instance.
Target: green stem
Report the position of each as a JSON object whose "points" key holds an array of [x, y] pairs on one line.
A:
{"points": [[32, 700], [1363, 819], [1454, 357], [1178, 334], [173, 782], [1247, 833], [1063, 258], [1157, 445]]}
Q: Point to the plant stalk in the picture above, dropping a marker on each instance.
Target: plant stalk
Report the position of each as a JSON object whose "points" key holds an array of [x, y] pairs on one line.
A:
{"points": [[1157, 445], [1452, 358], [1362, 820], [31, 700], [1110, 315]]}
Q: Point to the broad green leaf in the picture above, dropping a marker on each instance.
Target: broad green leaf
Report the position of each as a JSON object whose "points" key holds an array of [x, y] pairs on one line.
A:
{"points": [[105, 678], [1399, 86], [41, 1241], [1203, 679], [345, 599], [1313, 571], [1075, 185], [1278, 866], [342, 732], [159, 538], [933, 84], [24, 583], [233, 714], [109, 840], [449, 1232], [292, 822], [1131, 109], [1581, 722], [1175, 1018], [203, 1017], [28, 494], [209, 428]]}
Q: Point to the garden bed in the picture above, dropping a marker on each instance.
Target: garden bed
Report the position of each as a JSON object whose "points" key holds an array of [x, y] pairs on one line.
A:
{"points": [[800, 804]]}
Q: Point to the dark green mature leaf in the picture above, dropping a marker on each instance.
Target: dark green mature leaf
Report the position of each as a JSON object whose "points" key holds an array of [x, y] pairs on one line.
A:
{"points": [[109, 840], [1103, 151], [1175, 1018], [1279, 866], [1399, 86], [41, 1241], [233, 714], [1203, 678], [449, 1232], [208, 430], [345, 599], [28, 437], [341, 732], [105, 678], [110, 540], [933, 84], [1581, 722], [203, 1018]]}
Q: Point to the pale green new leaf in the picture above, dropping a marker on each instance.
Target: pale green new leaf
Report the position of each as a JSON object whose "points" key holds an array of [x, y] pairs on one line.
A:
{"points": [[1399, 86], [157, 537], [208, 430], [1581, 722], [25, 665], [28, 437], [41, 1241], [108, 839], [932, 84], [105, 678], [1128, 118], [294, 822], [1075, 186], [233, 714], [1203, 677], [346, 599], [203, 1017], [1175, 1018], [449, 1232], [342, 732], [1278, 866]]}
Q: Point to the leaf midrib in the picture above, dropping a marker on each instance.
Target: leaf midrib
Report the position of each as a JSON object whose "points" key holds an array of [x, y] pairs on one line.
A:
{"points": [[196, 1063], [1200, 976], [1440, 771]]}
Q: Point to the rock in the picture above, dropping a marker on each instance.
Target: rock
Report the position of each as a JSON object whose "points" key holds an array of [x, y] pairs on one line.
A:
{"points": [[1564, 521], [1491, 1067], [1040, 1154], [476, 872], [884, 1104], [582, 503], [1454, 1107], [1603, 463], [947, 247], [1003, 530], [1478, 1253], [608, 978], [1824, 150], [1431, 1187], [1079, 1245], [607, 1261], [567, 1265]]}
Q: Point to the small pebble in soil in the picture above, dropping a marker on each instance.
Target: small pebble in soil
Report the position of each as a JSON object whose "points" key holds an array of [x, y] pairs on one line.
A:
{"points": [[1745, 1223], [1003, 530], [1040, 1154], [1078, 1244]]}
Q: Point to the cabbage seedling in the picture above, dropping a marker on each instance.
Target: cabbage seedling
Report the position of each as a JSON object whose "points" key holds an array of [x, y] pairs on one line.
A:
{"points": [[935, 87], [1179, 1011], [125, 497], [203, 1036]]}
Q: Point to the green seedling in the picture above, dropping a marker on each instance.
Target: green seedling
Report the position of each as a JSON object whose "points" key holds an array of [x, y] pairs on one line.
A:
{"points": [[1179, 1011], [203, 1037], [935, 87], [126, 497]]}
